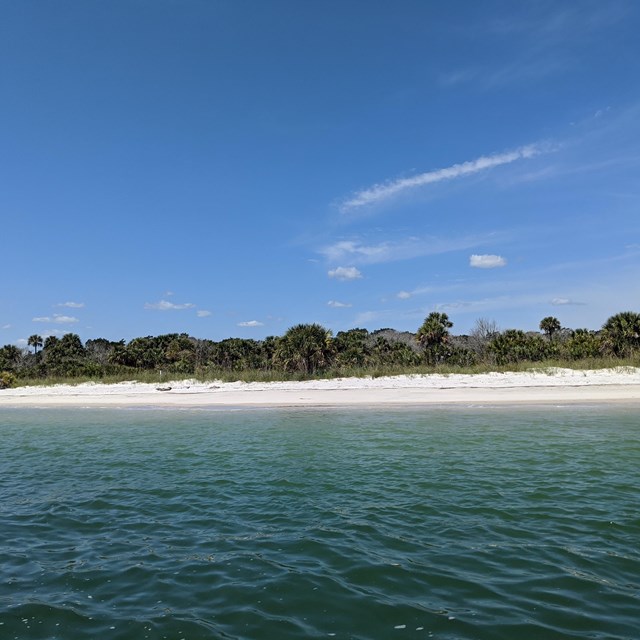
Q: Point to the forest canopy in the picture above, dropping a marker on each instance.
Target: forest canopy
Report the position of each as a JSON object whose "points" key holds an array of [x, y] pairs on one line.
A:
{"points": [[308, 350]]}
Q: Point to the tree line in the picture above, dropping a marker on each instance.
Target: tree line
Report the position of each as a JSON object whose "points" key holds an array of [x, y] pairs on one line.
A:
{"points": [[310, 349]]}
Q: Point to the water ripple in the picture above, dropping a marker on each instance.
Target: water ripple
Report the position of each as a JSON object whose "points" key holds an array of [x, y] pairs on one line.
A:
{"points": [[347, 524]]}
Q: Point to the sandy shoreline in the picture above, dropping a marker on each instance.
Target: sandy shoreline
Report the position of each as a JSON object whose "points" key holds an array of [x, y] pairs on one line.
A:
{"points": [[559, 386]]}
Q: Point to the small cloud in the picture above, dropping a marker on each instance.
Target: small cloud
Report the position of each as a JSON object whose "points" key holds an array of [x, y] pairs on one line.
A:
{"points": [[202, 313], [251, 323], [163, 305], [561, 302], [21, 342], [6, 326], [403, 295], [486, 261], [168, 294], [345, 273], [57, 319], [353, 248], [71, 305], [338, 305], [60, 319]]}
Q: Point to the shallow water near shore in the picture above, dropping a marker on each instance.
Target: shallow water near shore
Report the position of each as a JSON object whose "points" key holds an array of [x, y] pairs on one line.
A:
{"points": [[424, 523]]}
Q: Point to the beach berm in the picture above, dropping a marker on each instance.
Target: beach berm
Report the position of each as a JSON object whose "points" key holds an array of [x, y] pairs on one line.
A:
{"points": [[534, 387]]}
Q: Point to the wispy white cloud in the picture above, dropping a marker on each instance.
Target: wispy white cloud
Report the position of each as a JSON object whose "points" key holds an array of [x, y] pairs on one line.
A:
{"points": [[561, 302], [251, 323], [429, 290], [338, 305], [391, 318], [492, 304], [71, 305], [524, 69], [357, 252], [6, 326], [519, 299], [353, 249], [548, 25], [486, 261], [380, 192], [370, 316], [203, 313], [60, 319], [576, 167], [164, 305], [57, 319], [345, 273], [542, 42], [454, 306], [546, 173]]}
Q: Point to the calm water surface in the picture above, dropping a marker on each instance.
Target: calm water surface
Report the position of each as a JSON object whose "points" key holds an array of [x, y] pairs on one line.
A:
{"points": [[431, 523]]}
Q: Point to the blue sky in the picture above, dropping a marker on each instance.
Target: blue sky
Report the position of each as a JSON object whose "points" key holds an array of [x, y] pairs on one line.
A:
{"points": [[232, 168]]}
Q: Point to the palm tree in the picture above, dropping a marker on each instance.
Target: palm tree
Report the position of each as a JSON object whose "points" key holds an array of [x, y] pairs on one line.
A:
{"points": [[35, 341], [433, 336], [550, 326], [434, 330], [305, 348]]}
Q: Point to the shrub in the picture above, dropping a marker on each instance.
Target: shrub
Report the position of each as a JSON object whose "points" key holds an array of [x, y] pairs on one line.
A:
{"points": [[583, 344], [7, 380], [621, 334], [514, 345]]}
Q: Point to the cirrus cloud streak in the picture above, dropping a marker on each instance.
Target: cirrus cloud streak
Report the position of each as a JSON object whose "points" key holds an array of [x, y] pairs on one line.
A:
{"points": [[357, 252], [380, 192]]}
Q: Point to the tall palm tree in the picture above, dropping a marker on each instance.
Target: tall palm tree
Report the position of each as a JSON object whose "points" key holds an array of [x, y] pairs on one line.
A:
{"points": [[434, 330], [550, 326], [35, 341], [433, 336]]}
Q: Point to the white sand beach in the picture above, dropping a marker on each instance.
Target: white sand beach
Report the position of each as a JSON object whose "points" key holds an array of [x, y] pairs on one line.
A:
{"points": [[551, 386]]}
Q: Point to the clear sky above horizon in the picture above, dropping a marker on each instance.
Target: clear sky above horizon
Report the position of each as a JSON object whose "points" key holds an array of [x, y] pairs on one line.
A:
{"points": [[230, 168]]}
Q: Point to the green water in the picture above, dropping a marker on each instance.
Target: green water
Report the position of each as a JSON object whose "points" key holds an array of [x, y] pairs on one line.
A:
{"points": [[447, 523]]}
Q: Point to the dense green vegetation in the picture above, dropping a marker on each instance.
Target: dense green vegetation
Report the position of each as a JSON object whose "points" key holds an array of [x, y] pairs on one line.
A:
{"points": [[308, 350]]}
